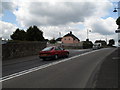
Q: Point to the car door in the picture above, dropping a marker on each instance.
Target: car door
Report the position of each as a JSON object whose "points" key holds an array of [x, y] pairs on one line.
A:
{"points": [[62, 51], [58, 51]]}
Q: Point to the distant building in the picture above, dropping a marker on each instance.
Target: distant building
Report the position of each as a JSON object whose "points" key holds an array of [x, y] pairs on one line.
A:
{"points": [[103, 43], [58, 40], [3, 42], [70, 38]]}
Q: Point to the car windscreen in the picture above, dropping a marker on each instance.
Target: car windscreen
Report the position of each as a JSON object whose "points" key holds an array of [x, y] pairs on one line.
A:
{"points": [[47, 49]]}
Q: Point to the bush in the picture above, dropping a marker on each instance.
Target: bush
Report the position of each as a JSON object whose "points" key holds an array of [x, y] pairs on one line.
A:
{"points": [[87, 44]]}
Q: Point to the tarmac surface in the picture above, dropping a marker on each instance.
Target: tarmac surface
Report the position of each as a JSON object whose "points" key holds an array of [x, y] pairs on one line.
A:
{"points": [[72, 73], [109, 76]]}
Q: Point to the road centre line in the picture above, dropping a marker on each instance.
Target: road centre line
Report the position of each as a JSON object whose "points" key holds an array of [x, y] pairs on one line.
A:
{"points": [[41, 67]]}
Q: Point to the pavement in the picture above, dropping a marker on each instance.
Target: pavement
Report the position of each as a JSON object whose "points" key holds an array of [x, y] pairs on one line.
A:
{"points": [[108, 74]]}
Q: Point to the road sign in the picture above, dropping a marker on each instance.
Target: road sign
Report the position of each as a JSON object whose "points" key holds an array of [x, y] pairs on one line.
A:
{"points": [[117, 31]]}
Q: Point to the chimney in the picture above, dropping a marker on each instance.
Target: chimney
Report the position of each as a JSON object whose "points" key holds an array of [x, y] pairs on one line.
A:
{"points": [[70, 32]]}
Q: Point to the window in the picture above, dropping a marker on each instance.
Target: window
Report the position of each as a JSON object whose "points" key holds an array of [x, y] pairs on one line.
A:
{"points": [[57, 48], [47, 49], [60, 48]]}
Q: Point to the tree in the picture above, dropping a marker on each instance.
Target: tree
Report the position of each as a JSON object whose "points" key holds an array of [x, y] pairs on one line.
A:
{"points": [[19, 35], [111, 42], [52, 41], [34, 34], [118, 22], [87, 44]]}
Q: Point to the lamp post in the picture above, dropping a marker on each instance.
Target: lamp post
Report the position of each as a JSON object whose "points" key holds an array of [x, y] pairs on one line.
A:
{"points": [[118, 30], [88, 34]]}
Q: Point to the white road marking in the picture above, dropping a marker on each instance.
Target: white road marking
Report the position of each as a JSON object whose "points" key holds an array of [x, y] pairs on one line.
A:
{"points": [[41, 67]]}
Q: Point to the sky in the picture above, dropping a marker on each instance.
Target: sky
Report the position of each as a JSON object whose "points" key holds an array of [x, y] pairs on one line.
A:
{"points": [[61, 16]]}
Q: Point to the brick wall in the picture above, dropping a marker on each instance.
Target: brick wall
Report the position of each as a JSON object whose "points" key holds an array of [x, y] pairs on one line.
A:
{"points": [[21, 49]]}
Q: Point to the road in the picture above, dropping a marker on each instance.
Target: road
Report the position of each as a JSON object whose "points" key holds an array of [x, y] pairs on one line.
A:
{"points": [[73, 72], [20, 64]]}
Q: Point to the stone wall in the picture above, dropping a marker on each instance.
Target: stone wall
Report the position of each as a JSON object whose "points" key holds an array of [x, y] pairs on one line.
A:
{"points": [[68, 46], [21, 49]]}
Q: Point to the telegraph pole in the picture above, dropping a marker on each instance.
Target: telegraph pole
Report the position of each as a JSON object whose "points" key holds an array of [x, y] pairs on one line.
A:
{"points": [[88, 34]]}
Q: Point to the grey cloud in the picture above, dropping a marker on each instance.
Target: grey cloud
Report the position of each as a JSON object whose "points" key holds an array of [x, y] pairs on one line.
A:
{"points": [[7, 6], [60, 13], [100, 28]]}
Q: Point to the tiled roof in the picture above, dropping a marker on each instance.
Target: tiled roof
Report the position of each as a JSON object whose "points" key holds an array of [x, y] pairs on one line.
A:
{"points": [[73, 36]]}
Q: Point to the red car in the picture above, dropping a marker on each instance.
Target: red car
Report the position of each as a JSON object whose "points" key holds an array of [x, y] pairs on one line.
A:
{"points": [[53, 52]]}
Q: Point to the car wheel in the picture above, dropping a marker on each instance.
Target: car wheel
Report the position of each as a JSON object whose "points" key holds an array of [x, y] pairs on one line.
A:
{"points": [[44, 59], [56, 57], [67, 55]]}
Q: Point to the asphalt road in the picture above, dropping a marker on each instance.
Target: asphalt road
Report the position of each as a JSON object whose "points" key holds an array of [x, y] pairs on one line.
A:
{"points": [[71, 73], [20, 64]]}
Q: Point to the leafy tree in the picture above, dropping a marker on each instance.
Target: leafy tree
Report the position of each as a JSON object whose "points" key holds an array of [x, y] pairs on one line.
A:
{"points": [[52, 41], [111, 42], [34, 34], [87, 44], [19, 35], [119, 40], [118, 22], [46, 40]]}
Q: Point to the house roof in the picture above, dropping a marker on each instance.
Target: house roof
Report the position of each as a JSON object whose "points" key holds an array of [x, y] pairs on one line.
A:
{"points": [[59, 39], [100, 41], [71, 35]]}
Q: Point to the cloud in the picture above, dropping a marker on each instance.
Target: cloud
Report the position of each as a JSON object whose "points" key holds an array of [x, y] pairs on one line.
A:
{"points": [[53, 31], [59, 13], [102, 26], [10, 6], [55, 17], [114, 0], [6, 29]]}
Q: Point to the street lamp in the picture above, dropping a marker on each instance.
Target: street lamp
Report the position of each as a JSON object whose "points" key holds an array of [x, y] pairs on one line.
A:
{"points": [[88, 34], [115, 10]]}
